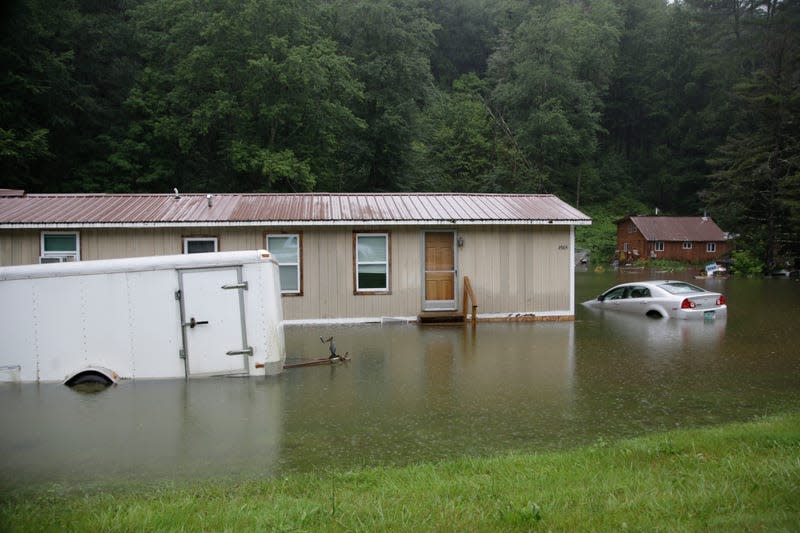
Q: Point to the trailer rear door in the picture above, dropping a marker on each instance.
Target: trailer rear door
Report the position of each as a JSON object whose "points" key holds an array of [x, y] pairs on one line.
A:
{"points": [[213, 321]]}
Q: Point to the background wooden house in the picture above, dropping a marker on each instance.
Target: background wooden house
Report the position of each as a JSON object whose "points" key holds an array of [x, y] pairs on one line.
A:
{"points": [[343, 257], [691, 239]]}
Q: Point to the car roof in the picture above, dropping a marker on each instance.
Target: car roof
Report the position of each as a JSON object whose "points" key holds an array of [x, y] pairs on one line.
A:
{"points": [[647, 282], [654, 282]]}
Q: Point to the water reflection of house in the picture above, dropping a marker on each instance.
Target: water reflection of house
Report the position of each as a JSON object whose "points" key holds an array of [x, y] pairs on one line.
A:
{"points": [[343, 256], [693, 239]]}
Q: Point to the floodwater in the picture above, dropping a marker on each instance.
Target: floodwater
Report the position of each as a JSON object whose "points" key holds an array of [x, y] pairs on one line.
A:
{"points": [[412, 394]]}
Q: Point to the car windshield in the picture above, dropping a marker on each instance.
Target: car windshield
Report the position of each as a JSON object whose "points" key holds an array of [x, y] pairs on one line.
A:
{"points": [[677, 287]]}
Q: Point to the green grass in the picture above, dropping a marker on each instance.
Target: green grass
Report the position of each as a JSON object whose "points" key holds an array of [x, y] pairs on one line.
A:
{"points": [[738, 477]]}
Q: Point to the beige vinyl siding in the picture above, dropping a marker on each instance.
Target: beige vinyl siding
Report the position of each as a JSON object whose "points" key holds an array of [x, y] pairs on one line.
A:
{"points": [[523, 269], [513, 269], [165, 241], [19, 247], [328, 283]]}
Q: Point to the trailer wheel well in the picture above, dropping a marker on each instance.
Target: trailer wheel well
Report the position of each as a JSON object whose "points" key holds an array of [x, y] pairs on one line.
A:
{"points": [[89, 376]]}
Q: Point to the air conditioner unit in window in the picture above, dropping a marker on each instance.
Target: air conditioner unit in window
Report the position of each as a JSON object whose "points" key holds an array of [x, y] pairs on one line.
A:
{"points": [[56, 259]]}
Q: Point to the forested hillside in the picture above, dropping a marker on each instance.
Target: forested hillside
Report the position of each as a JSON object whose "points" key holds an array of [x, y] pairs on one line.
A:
{"points": [[617, 106]]}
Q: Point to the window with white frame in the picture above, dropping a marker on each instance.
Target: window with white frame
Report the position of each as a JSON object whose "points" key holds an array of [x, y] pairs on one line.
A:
{"points": [[686, 245], [371, 262], [286, 248], [199, 245], [659, 246], [60, 246], [711, 247]]}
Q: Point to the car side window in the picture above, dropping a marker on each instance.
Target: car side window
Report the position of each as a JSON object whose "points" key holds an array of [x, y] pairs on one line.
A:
{"points": [[640, 292], [616, 294]]}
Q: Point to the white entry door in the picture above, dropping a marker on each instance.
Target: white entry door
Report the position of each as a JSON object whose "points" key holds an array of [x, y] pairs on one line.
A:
{"points": [[212, 308]]}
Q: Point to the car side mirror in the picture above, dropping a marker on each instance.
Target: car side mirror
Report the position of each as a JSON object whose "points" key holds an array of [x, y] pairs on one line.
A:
{"points": [[601, 298]]}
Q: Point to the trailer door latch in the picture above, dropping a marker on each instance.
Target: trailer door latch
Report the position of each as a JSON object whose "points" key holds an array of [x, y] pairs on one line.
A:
{"points": [[192, 322], [245, 351]]}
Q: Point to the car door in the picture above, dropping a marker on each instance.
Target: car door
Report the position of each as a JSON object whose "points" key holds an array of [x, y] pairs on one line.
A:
{"points": [[613, 299], [638, 298]]}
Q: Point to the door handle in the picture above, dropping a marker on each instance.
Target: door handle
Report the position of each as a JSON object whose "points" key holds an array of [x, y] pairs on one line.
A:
{"points": [[192, 322], [244, 351]]}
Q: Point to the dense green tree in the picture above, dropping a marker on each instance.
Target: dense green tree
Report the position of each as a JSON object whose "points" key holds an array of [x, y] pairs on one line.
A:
{"points": [[551, 76], [465, 31], [390, 42], [63, 73], [756, 185], [237, 96], [464, 147], [612, 104]]}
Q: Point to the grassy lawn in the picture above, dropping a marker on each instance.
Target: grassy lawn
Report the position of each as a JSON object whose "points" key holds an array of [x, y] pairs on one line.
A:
{"points": [[738, 477]]}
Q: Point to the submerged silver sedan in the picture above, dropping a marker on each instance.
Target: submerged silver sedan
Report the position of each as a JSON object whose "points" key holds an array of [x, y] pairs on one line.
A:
{"points": [[662, 299]]}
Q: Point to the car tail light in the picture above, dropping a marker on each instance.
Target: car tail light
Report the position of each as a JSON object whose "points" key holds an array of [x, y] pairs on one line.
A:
{"points": [[687, 304], [721, 300]]}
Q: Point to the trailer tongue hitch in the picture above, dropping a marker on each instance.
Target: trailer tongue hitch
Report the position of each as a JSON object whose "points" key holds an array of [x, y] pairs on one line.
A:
{"points": [[192, 322]]}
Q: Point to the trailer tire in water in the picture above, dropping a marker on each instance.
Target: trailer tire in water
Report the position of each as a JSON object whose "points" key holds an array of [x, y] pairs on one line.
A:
{"points": [[90, 376]]}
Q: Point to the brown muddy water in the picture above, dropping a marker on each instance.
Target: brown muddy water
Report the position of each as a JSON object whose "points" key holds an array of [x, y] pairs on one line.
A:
{"points": [[420, 394]]}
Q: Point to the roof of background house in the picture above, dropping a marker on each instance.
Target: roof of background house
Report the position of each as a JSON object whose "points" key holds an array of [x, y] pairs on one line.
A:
{"points": [[124, 210], [662, 228]]}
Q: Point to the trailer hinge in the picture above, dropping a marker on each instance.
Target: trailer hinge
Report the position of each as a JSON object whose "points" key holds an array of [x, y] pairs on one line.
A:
{"points": [[245, 351], [181, 354], [178, 295], [242, 285]]}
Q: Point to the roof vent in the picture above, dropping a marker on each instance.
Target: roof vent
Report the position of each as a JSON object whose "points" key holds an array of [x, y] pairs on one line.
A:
{"points": [[209, 198], [177, 194]]}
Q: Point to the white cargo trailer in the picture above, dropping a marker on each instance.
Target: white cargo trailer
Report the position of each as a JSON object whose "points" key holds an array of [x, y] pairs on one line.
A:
{"points": [[141, 318]]}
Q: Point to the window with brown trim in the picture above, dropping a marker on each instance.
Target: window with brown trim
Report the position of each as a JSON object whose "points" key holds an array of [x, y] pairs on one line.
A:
{"points": [[371, 263]]}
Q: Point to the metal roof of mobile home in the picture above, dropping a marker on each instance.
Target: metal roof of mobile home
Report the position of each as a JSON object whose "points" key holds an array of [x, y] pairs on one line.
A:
{"points": [[663, 228], [125, 210]]}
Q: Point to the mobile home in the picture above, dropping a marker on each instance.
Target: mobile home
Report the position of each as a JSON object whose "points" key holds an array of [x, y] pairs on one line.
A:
{"points": [[148, 317], [343, 257]]}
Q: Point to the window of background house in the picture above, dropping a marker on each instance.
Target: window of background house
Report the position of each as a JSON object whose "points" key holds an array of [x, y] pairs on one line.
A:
{"points": [[711, 247], [372, 262], [686, 245], [659, 247], [59, 246], [286, 249], [198, 245]]}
